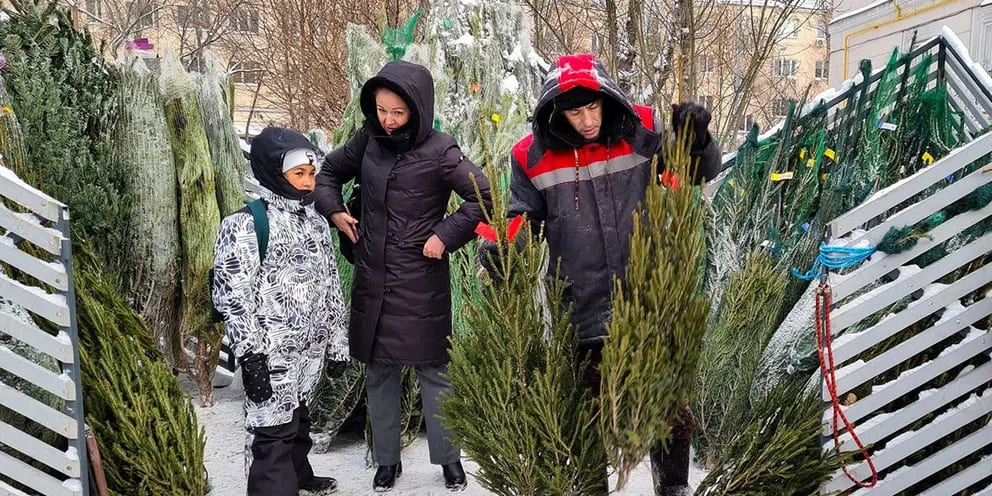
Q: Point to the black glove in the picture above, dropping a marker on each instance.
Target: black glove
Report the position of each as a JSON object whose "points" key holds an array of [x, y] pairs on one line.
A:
{"points": [[700, 122], [334, 369], [489, 258], [255, 375]]}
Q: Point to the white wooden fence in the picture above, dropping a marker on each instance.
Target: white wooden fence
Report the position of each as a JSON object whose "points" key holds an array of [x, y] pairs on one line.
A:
{"points": [[947, 342], [31, 218]]}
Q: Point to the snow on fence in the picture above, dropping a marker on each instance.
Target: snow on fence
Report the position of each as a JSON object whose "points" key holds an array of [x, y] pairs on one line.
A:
{"points": [[29, 465], [894, 362]]}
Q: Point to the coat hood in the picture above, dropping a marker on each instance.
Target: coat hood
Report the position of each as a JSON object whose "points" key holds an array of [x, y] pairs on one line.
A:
{"points": [[267, 152], [581, 71], [413, 83]]}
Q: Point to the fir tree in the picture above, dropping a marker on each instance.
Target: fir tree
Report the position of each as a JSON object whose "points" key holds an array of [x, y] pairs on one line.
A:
{"points": [[776, 452], [518, 407], [659, 316], [731, 351], [64, 95], [146, 427]]}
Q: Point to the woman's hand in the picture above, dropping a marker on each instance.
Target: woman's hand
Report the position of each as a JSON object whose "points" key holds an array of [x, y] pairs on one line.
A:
{"points": [[346, 223], [434, 248]]}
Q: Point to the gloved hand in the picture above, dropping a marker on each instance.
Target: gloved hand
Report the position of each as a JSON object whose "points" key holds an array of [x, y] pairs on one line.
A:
{"points": [[335, 368], [255, 375], [489, 258], [700, 118]]}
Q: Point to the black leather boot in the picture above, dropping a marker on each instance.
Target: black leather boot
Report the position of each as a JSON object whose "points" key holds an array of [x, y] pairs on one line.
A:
{"points": [[319, 486], [385, 477], [454, 476]]}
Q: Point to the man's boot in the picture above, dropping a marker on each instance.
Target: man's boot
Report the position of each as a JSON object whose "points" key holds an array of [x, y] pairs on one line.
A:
{"points": [[670, 468]]}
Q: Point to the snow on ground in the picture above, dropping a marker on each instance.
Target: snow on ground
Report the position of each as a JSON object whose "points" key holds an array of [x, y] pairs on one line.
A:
{"points": [[345, 460]]}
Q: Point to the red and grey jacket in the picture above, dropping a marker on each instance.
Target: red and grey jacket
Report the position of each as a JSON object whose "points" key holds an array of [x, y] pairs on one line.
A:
{"points": [[585, 193]]}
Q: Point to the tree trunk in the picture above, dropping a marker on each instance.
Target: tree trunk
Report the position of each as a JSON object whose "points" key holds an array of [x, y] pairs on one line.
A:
{"points": [[612, 31], [625, 72]]}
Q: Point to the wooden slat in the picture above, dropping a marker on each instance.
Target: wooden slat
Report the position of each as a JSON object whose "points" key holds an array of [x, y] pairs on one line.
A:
{"points": [[850, 314], [8, 490], [45, 238], [39, 412], [16, 189], [913, 185], [33, 478], [846, 347], [57, 384], [963, 479], [856, 375], [60, 349], [935, 463], [971, 127], [906, 383], [872, 432], [925, 436], [52, 308], [39, 450], [52, 274], [845, 285]]}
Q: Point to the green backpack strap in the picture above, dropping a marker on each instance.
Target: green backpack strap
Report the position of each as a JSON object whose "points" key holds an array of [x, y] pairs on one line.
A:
{"points": [[260, 215]]}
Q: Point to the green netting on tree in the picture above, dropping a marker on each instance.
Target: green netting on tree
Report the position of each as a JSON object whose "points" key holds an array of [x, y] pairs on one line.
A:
{"points": [[398, 39]]}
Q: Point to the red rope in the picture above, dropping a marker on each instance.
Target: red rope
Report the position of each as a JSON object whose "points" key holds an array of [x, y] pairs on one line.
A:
{"points": [[824, 346]]}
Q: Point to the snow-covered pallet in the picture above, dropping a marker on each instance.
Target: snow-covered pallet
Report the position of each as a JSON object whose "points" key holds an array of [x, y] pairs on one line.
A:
{"points": [[951, 371], [969, 90], [44, 223]]}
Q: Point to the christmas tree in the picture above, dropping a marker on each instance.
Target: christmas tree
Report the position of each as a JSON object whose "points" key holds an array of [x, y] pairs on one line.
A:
{"points": [[199, 220]]}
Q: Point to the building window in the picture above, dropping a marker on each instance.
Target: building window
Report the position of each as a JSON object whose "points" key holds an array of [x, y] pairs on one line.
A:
{"points": [[192, 17], [790, 29], [746, 124], [783, 67], [985, 46], [781, 107], [248, 72], [821, 33], [822, 71], [244, 20], [705, 64], [146, 15]]}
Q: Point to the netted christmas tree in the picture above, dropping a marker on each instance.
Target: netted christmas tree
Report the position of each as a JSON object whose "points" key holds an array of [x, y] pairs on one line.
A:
{"points": [[225, 149], [141, 143], [199, 220]]}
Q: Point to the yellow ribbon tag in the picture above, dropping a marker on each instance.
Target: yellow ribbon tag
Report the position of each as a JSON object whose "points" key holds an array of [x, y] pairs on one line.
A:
{"points": [[811, 163], [495, 118], [927, 158], [781, 176], [830, 154], [6, 109], [825, 176], [802, 154], [730, 182]]}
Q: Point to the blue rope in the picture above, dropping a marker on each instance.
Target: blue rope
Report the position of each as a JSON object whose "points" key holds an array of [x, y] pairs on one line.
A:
{"points": [[835, 258]]}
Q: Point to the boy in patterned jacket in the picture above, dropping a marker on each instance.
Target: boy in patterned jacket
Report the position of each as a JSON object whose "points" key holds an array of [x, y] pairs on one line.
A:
{"points": [[283, 312]]}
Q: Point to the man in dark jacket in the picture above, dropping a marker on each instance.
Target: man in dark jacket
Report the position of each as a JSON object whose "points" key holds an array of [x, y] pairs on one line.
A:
{"points": [[401, 297], [583, 172]]}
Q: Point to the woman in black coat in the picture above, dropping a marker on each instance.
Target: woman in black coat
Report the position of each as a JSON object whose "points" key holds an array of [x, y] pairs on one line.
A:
{"points": [[401, 298]]}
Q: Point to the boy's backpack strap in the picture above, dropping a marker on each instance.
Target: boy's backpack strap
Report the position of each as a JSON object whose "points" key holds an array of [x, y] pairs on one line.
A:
{"points": [[260, 216]]}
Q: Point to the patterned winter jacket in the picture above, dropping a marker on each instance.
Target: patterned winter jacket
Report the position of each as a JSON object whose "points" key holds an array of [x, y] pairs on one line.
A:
{"points": [[289, 308]]}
